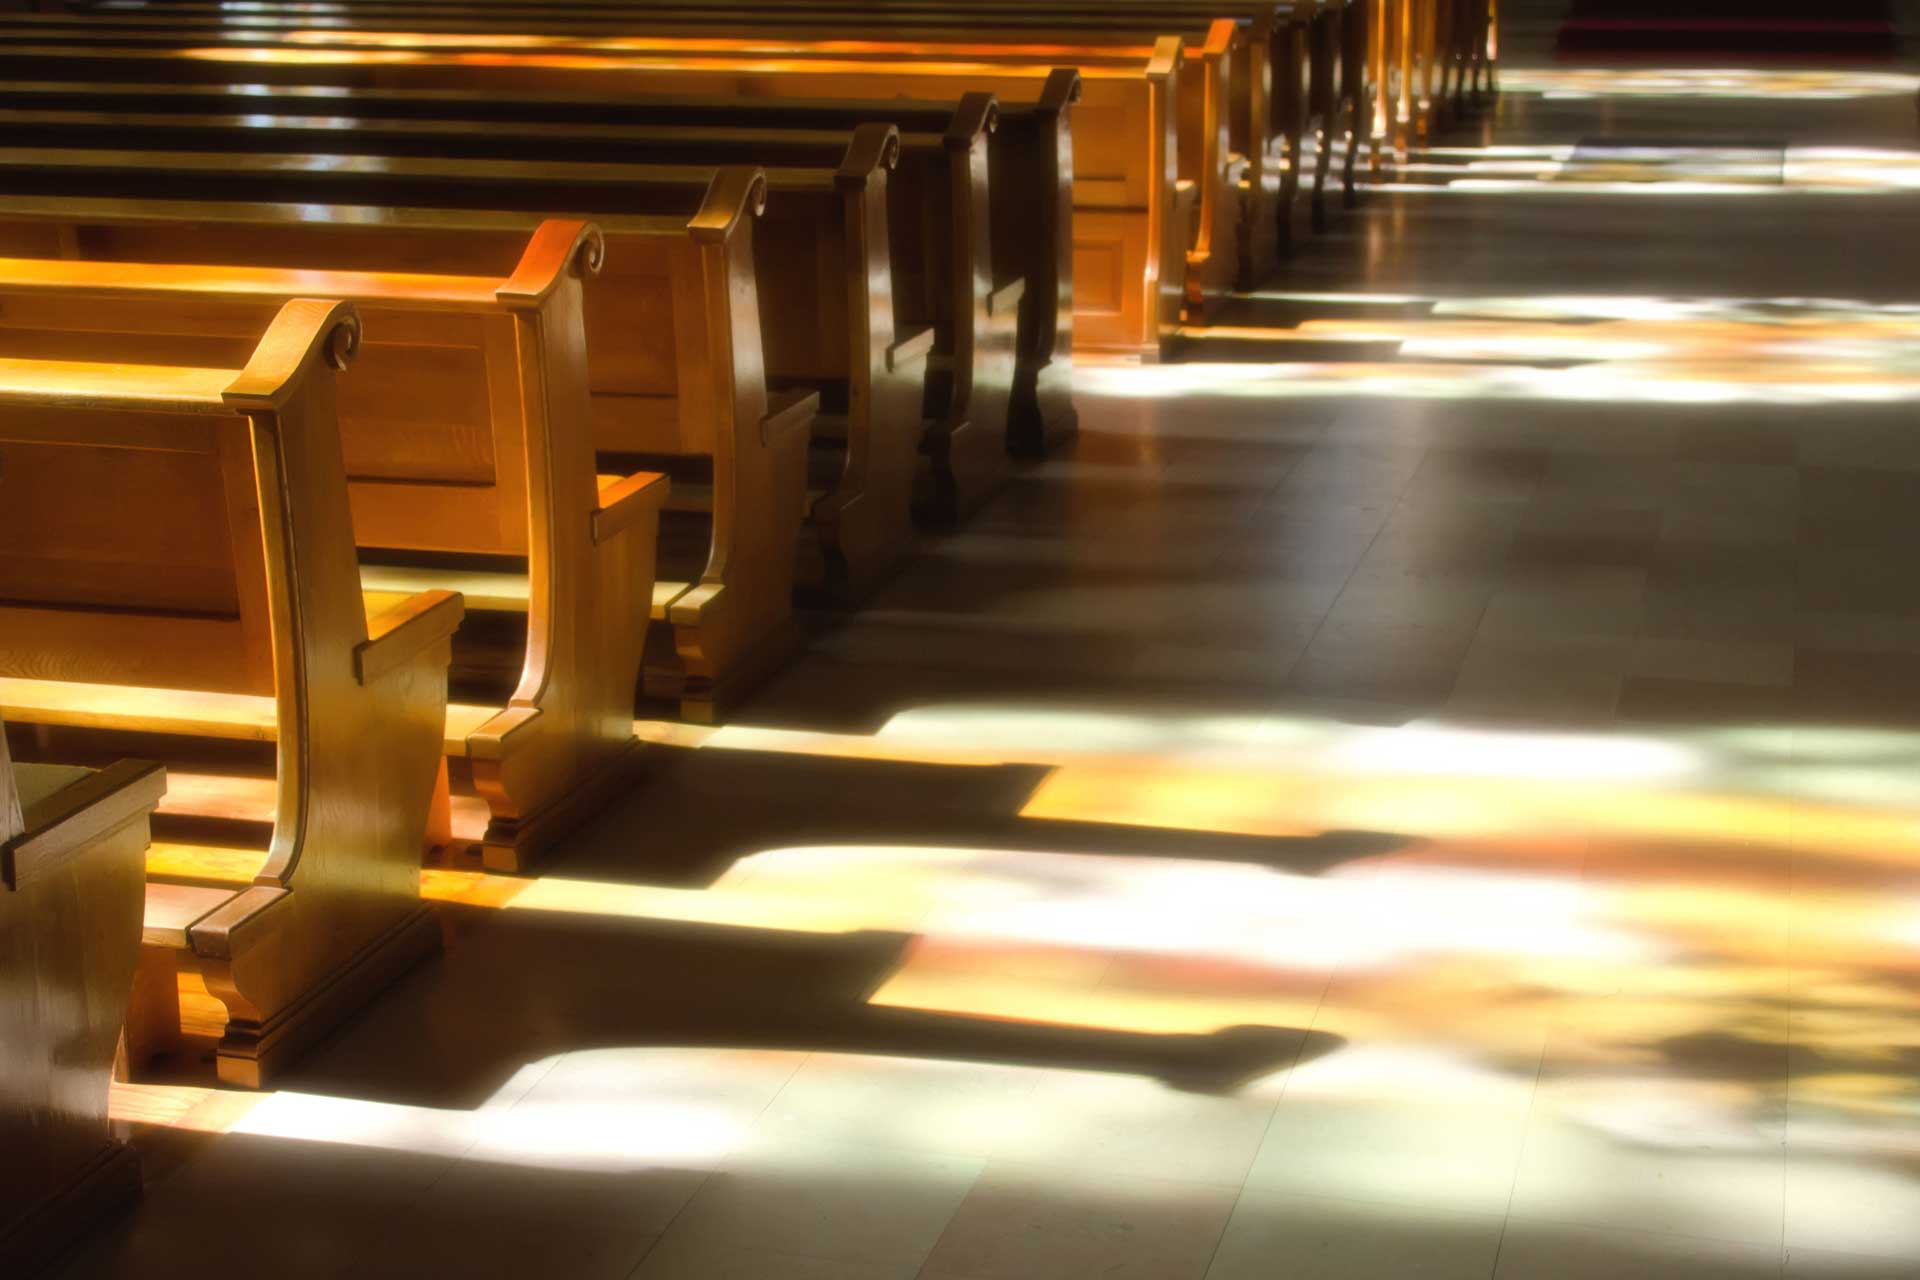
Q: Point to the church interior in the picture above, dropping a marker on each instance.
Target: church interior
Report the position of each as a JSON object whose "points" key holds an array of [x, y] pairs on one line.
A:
{"points": [[959, 639]]}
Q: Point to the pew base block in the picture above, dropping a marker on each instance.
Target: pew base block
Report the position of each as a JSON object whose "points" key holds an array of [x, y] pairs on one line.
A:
{"points": [[250, 1055], [513, 845], [707, 699], [969, 466], [1260, 244], [1042, 417], [1211, 280], [104, 1189]]}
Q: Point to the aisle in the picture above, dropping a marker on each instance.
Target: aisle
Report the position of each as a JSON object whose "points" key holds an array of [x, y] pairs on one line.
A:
{"points": [[1432, 792]]}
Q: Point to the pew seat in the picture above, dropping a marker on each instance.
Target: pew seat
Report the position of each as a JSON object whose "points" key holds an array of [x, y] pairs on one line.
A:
{"points": [[187, 713], [173, 909]]}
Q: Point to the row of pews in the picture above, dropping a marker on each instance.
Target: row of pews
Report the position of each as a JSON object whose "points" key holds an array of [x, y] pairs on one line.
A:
{"points": [[392, 390]]}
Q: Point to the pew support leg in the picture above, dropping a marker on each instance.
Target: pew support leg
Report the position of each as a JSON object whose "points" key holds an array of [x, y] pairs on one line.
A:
{"points": [[702, 636], [968, 456], [566, 738], [865, 524], [335, 914]]}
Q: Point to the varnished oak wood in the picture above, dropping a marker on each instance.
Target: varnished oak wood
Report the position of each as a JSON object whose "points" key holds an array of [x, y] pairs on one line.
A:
{"points": [[1012, 267], [1294, 70], [221, 494], [675, 366], [72, 848], [900, 31], [466, 426], [1130, 242], [939, 210], [825, 299]]}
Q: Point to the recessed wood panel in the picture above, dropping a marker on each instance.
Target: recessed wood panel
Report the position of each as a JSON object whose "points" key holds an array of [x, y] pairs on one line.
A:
{"points": [[125, 545]]}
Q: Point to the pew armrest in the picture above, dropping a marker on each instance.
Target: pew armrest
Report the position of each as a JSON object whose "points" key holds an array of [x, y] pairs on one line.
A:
{"points": [[690, 606], [489, 741], [69, 820], [399, 634], [909, 351], [792, 411], [627, 500], [213, 935]]}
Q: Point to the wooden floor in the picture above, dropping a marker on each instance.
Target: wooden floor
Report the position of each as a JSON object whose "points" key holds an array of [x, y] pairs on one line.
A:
{"points": [[1427, 787]]}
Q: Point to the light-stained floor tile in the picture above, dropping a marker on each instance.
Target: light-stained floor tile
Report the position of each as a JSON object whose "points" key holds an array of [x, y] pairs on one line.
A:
{"points": [[1636, 1155], [1288, 1237], [1136, 1127], [817, 1199], [1408, 1126], [935, 1106], [507, 1220], [1820, 1264], [681, 1260], [1541, 678], [1678, 658], [1846, 1201], [1023, 1221], [316, 1209], [1593, 601], [1549, 1251]]}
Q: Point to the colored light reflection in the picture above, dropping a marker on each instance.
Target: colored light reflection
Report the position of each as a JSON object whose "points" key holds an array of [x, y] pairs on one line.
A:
{"points": [[1622, 349], [1606, 940], [1813, 85]]}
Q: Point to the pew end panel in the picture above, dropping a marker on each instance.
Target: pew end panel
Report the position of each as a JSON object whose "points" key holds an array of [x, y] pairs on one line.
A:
{"points": [[1206, 159], [565, 739], [1037, 155], [733, 624], [335, 913], [866, 520], [972, 385], [356, 710], [72, 849]]}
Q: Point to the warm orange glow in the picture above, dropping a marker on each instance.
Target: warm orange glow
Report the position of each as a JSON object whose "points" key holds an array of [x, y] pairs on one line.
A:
{"points": [[674, 44], [1804, 84], [979, 72]]}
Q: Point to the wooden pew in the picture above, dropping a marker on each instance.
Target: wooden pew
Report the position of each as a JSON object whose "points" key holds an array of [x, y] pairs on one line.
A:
{"points": [[1129, 255], [1025, 243], [938, 213], [1316, 50], [222, 599], [1206, 165], [73, 844], [846, 340], [1429, 61], [467, 431], [1245, 83], [696, 403]]}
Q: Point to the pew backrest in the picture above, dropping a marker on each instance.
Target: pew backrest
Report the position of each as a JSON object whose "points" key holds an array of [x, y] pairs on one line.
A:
{"points": [[464, 425]]}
